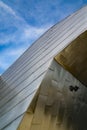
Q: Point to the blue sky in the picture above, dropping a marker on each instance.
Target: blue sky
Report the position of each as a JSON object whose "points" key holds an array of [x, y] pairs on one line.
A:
{"points": [[23, 21]]}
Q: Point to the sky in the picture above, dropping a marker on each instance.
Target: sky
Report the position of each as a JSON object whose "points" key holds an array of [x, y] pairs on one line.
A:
{"points": [[23, 21]]}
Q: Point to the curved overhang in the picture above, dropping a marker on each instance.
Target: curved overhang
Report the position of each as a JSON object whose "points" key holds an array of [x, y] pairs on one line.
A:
{"points": [[74, 58]]}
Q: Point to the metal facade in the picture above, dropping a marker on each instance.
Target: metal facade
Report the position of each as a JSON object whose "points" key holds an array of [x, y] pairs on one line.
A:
{"points": [[19, 83], [60, 103]]}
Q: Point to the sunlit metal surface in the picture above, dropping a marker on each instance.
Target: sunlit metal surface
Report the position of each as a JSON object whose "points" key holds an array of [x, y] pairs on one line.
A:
{"points": [[19, 83], [14, 125], [55, 106]]}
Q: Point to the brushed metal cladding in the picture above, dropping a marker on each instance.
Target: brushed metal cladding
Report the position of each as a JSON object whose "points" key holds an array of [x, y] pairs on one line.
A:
{"points": [[20, 97], [16, 103], [58, 37], [34, 62], [25, 82], [57, 48], [56, 104], [24, 77], [13, 125], [17, 111], [72, 21]]}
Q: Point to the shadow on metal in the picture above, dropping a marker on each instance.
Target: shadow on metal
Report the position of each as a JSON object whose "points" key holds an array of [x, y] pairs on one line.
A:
{"points": [[54, 106]]}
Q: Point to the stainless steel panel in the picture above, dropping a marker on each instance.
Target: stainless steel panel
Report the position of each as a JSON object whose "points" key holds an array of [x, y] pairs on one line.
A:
{"points": [[34, 61], [21, 73], [24, 83], [29, 72], [14, 124], [20, 96], [15, 112], [65, 27], [58, 106]]}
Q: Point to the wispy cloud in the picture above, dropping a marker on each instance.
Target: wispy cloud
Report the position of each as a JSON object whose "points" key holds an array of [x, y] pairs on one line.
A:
{"points": [[20, 29], [23, 21], [7, 8], [8, 56], [35, 32], [45, 11], [15, 34]]}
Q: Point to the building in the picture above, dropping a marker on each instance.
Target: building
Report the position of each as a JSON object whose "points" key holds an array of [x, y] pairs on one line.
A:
{"points": [[45, 89]]}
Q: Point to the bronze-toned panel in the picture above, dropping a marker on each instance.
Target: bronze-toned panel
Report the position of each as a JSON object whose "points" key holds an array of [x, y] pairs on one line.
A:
{"points": [[59, 104], [74, 58]]}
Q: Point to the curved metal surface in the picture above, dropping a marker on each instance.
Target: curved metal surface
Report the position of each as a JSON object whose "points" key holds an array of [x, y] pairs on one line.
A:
{"points": [[27, 73], [56, 106]]}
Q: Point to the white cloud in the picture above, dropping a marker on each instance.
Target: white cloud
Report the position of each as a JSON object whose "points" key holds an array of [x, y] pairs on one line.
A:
{"points": [[24, 41], [6, 39], [7, 8], [23, 30], [34, 32], [8, 56], [43, 13], [13, 52], [3, 64], [19, 39]]}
